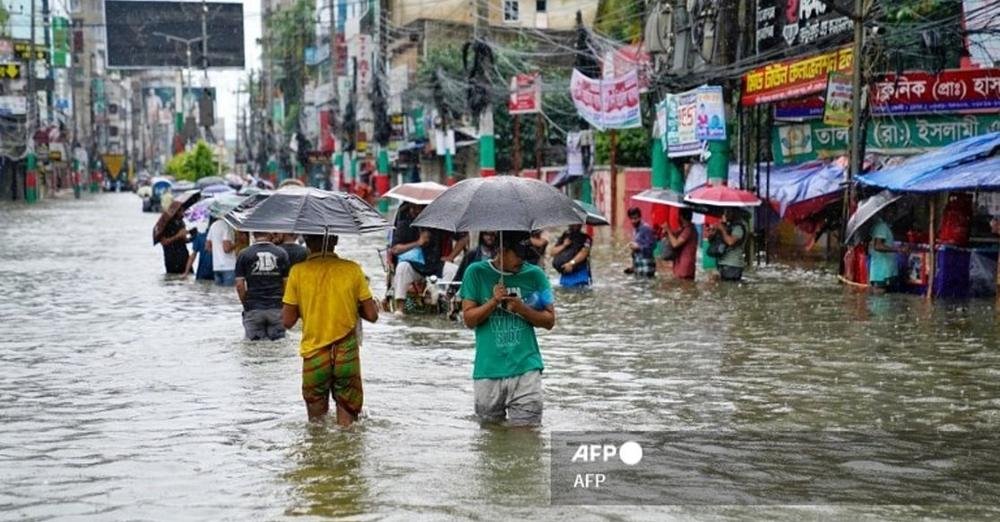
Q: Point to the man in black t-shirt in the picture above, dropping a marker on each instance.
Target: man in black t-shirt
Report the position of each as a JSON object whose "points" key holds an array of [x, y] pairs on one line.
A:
{"points": [[296, 252], [261, 271]]}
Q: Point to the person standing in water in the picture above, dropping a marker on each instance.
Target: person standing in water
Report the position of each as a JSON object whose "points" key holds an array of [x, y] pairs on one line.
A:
{"points": [[330, 295], [505, 299]]}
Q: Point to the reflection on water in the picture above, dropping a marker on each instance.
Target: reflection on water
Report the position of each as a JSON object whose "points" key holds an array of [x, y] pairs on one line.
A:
{"points": [[129, 394]]}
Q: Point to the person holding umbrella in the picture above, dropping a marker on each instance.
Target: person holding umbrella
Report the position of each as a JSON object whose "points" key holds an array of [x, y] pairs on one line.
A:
{"points": [[505, 298], [729, 234], [329, 294]]}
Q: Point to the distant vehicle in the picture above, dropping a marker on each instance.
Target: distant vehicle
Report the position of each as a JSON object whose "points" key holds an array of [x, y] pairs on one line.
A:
{"points": [[152, 201]]}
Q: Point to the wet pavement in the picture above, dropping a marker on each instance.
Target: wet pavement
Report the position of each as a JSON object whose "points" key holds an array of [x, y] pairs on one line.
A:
{"points": [[127, 394]]}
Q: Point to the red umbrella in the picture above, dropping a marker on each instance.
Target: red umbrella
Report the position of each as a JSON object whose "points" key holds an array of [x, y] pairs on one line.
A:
{"points": [[722, 196], [422, 193]]}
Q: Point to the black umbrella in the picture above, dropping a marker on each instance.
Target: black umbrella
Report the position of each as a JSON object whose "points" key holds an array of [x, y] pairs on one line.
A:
{"points": [[868, 209], [308, 211], [500, 203]]}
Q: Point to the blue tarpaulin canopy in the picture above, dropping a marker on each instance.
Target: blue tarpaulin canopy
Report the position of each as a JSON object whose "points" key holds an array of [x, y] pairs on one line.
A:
{"points": [[969, 164], [797, 183]]}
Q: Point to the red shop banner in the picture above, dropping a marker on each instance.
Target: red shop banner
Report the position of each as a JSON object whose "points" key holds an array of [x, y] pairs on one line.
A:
{"points": [[525, 94], [794, 78], [953, 90]]}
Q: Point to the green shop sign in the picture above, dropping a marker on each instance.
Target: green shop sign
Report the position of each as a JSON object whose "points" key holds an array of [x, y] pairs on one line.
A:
{"points": [[898, 136]]}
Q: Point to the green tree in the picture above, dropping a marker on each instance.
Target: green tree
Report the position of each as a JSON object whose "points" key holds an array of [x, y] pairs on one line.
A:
{"points": [[194, 164]]}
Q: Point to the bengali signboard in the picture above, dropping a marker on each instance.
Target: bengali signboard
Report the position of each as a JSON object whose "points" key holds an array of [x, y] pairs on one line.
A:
{"points": [[782, 24], [711, 114], [837, 111], [794, 78], [607, 104], [959, 90], [911, 135], [525, 94]]}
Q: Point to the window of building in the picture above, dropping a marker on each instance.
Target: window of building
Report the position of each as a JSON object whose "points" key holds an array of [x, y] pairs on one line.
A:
{"points": [[510, 10], [541, 6]]}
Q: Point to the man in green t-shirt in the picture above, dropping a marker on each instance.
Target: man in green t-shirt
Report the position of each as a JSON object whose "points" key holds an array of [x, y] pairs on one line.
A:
{"points": [[507, 375], [732, 231]]}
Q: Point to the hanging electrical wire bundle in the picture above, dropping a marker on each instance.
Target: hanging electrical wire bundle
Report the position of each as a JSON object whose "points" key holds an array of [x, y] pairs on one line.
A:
{"points": [[380, 110], [478, 91]]}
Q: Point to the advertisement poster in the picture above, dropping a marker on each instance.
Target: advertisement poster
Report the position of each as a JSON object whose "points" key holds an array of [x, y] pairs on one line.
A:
{"points": [[837, 111], [525, 94], [607, 104], [682, 133], [711, 116]]}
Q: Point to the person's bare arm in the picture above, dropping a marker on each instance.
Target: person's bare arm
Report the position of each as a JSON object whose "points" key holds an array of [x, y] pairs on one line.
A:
{"points": [[545, 318], [475, 314], [289, 315], [368, 310], [241, 290], [181, 235], [580, 257], [228, 246], [677, 240], [424, 238], [880, 245], [728, 238], [556, 249], [460, 246]]}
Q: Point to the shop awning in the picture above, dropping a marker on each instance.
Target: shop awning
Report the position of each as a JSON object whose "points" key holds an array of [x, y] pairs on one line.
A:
{"points": [[969, 164], [793, 186]]}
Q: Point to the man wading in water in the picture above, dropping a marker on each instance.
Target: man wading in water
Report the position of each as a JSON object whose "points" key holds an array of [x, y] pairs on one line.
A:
{"points": [[507, 375], [329, 294]]}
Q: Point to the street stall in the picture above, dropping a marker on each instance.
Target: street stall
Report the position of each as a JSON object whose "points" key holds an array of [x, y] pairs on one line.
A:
{"points": [[950, 244]]}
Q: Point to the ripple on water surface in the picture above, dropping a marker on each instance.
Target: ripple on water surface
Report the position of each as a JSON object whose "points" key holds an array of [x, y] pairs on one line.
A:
{"points": [[128, 394]]}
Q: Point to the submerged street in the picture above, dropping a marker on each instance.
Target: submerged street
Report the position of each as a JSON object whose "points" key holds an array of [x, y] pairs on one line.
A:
{"points": [[129, 394]]}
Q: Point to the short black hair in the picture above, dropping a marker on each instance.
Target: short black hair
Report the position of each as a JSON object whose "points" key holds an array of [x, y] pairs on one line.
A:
{"points": [[687, 214], [517, 242], [634, 212]]}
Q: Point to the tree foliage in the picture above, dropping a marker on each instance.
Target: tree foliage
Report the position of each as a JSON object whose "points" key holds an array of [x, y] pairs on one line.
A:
{"points": [[194, 164], [288, 41]]}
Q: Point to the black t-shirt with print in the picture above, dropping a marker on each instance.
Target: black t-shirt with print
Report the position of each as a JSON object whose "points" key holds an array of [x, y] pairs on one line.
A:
{"points": [[264, 266]]}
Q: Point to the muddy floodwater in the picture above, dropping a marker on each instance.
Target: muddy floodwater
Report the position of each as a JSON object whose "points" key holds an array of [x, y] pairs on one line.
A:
{"points": [[126, 394]]}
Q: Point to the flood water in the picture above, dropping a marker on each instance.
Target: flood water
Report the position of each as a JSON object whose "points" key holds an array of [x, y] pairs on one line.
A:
{"points": [[126, 394]]}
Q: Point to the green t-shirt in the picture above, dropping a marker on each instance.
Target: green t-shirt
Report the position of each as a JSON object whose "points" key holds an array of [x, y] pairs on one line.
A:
{"points": [[734, 254], [883, 265], [505, 343]]}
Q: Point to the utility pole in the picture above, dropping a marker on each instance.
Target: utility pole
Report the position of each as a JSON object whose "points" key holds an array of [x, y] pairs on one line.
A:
{"points": [[857, 125], [31, 175]]}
